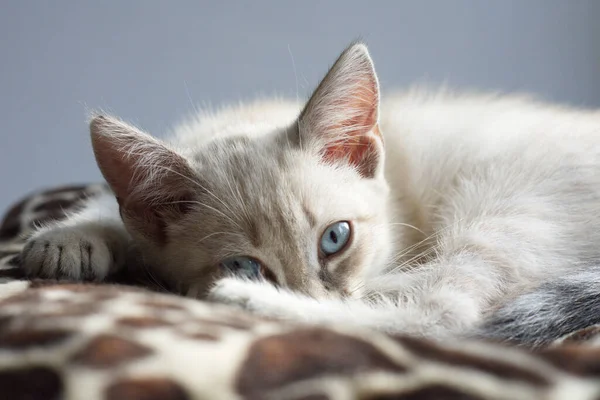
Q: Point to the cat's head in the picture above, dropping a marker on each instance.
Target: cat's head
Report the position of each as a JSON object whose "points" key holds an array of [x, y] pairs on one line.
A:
{"points": [[304, 206]]}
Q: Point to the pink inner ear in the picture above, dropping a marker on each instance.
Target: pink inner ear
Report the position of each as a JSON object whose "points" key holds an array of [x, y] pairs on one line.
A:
{"points": [[134, 163], [342, 115], [361, 152], [358, 145], [151, 182]]}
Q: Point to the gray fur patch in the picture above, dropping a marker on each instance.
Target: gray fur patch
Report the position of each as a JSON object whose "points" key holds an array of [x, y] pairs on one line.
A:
{"points": [[556, 308]]}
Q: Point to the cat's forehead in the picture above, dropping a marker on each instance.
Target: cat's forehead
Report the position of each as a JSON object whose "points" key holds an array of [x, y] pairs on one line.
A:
{"points": [[240, 159], [267, 173]]}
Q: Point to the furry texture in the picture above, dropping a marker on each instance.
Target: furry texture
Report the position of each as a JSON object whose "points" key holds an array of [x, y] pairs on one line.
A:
{"points": [[556, 308], [475, 201]]}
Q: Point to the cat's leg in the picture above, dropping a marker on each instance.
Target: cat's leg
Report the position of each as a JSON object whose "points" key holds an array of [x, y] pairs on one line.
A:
{"points": [[445, 298], [477, 266], [422, 303], [87, 245]]}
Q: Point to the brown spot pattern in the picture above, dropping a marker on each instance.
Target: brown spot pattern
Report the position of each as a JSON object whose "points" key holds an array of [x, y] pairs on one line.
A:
{"points": [[109, 351], [433, 392], [55, 205], [143, 322], [312, 397], [97, 291], [163, 305], [578, 360], [199, 336], [487, 365], [11, 224], [50, 216], [276, 360], [26, 298], [10, 227], [5, 322], [27, 338], [83, 189], [33, 383], [45, 283], [146, 389], [583, 335], [231, 323], [13, 273], [271, 362], [71, 310]]}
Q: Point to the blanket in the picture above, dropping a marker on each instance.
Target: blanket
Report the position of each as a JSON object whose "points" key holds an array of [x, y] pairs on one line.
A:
{"points": [[125, 340]]}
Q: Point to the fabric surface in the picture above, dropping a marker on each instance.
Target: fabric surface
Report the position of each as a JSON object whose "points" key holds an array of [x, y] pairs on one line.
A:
{"points": [[124, 340]]}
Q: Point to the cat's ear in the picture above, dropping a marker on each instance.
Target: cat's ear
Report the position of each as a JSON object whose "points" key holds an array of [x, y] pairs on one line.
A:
{"points": [[340, 120], [151, 181]]}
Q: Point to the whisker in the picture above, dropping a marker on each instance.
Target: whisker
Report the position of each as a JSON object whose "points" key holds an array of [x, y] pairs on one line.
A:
{"points": [[218, 233], [402, 224], [422, 254], [155, 281], [434, 235], [425, 253], [206, 206], [195, 182]]}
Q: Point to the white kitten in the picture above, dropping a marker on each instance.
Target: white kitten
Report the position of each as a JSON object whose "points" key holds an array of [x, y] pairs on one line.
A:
{"points": [[299, 212]]}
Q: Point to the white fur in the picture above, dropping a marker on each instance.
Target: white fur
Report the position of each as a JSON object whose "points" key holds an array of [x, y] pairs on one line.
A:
{"points": [[89, 244], [496, 179], [489, 197]]}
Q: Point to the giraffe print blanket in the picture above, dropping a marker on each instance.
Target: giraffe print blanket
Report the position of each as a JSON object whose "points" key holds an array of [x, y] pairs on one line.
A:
{"points": [[125, 340]]}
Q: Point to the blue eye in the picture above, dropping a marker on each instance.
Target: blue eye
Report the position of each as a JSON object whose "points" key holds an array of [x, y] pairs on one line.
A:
{"points": [[335, 237], [243, 266]]}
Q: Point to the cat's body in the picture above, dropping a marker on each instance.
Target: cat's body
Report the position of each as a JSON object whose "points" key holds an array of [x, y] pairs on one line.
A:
{"points": [[481, 200]]}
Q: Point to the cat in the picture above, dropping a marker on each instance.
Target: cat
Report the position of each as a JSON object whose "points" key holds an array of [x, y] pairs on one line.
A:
{"points": [[429, 213]]}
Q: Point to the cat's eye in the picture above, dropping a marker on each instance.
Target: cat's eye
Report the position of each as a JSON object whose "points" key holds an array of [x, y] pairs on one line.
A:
{"points": [[335, 238], [247, 267]]}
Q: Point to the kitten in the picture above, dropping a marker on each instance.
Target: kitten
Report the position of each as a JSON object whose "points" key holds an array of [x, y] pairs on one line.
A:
{"points": [[422, 216]]}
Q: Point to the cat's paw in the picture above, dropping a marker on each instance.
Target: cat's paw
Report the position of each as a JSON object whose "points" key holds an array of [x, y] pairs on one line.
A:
{"points": [[78, 253], [263, 299], [235, 292], [258, 297]]}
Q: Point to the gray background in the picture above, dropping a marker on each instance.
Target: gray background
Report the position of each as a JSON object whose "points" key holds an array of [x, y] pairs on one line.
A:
{"points": [[152, 62]]}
